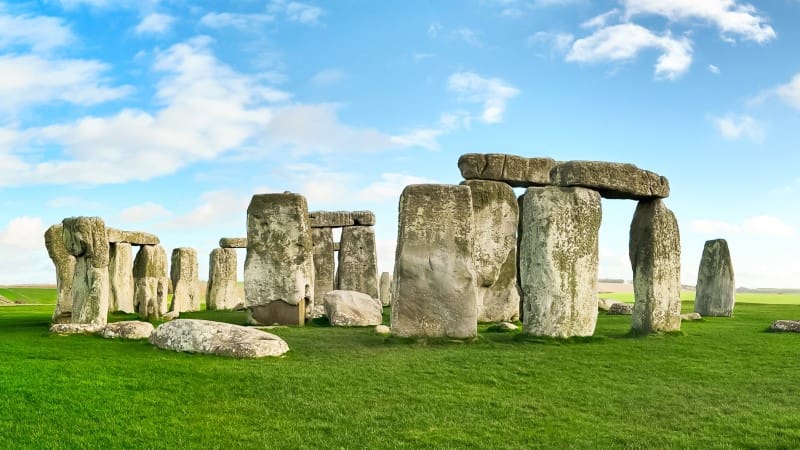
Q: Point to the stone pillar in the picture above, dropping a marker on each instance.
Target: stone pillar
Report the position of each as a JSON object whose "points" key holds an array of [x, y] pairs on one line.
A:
{"points": [[386, 289], [221, 292], [151, 284], [655, 253], [324, 270], [279, 267], [120, 273], [434, 293], [358, 261], [65, 272], [496, 214], [185, 288], [85, 238], [716, 289], [558, 261]]}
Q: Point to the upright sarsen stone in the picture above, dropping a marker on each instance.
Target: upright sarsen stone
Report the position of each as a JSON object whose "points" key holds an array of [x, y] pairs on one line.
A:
{"points": [[655, 253], [151, 283], [65, 272], [386, 289], [558, 261], [120, 272], [85, 239], [324, 266], [358, 261], [434, 292], [185, 280], [716, 289], [221, 292]]}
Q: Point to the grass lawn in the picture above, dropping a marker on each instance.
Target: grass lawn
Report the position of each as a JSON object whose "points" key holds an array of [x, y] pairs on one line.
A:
{"points": [[29, 295]]}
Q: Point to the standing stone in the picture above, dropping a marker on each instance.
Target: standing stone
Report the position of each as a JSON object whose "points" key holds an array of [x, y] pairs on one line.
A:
{"points": [[358, 261], [716, 289], [386, 289], [434, 293], [151, 283], [655, 252], [185, 282], [65, 271], [120, 272], [279, 267], [221, 292], [85, 238], [496, 214], [558, 261], [324, 270]]}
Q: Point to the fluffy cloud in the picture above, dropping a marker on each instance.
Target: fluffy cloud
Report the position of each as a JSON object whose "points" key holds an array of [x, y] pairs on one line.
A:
{"points": [[559, 42], [713, 69], [493, 93], [41, 33], [790, 92], [22, 246], [738, 127], [155, 23], [297, 11], [389, 187], [214, 207], [234, 20]]}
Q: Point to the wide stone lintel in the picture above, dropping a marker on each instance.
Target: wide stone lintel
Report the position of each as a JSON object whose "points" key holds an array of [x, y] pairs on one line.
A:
{"points": [[338, 219], [518, 171], [131, 237], [233, 242], [612, 180]]}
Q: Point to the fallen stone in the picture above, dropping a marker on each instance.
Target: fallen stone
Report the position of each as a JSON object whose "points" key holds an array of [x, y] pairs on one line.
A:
{"points": [[338, 219], [715, 293], [76, 328], [352, 309], [792, 326], [185, 280], [324, 267], [516, 171], [386, 289], [150, 282], [233, 242], [132, 237], [689, 317], [120, 274], [358, 261], [504, 327], [383, 329], [620, 309], [85, 239], [65, 272], [216, 338], [129, 329], [612, 180], [605, 303], [221, 290]]}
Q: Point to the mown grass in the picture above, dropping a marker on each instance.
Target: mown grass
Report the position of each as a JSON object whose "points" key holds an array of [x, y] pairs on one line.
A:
{"points": [[743, 297], [720, 383], [29, 295]]}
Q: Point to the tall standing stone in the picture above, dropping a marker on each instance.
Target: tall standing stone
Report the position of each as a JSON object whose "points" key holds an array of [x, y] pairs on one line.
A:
{"points": [[558, 261], [496, 214], [324, 266], [221, 292], [655, 253], [358, 261], [279, 267], [120, 272], [85, 239], [151, 283], [434, 293], [65, 271], [716, 290], [386, 289], [185, 280]]}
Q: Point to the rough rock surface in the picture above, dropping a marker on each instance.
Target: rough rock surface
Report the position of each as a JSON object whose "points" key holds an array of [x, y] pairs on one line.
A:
{"points": [[132, 237], [185, 280], [150, 282], [620, 309], [233, 242], [120, 274], [559, 260], [496, 215], [689, 317], [352, 309], [324, 267], [338, 219], [434, 293], [129, 329], [517, 171], [85, 239], [76, 328], [280, 257], [217, 338], [792, 326], [221, 292], [655, 253], [716, 288], [65, 272], [612, 180], [605, 303], [386, 289], [358, 261], [383, 329]]}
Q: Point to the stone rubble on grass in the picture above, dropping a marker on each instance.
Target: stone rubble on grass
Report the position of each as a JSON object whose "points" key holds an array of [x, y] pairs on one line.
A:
{"points": [[504, 326], [383, 329], [604, 304], [792, 326], [620, 309], [689, 317], [76, 328], [217, 338], [352, 309], [129, 329]]}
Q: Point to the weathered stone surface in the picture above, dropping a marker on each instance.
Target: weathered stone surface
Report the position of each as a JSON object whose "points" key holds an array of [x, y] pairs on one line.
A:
{"points": [[606, 303], [352, 309], [517, 171], [612, 180], [792, 326], [504, 327], [221, 292], [496, 215], [689, 317], [150, 282], [559, 260], [185, 280], [386, 289], [233, 242], [358, 261], [383, 329], [65, 272], [434, 293], [620, 309], [716, 289], [655, 253], [217, 338], [129, 329], [280, 262], [363, 218], [132, 237], [324, 267], [338, 219], [120, 274], [336, 246], [76, 328], [85, 239]]}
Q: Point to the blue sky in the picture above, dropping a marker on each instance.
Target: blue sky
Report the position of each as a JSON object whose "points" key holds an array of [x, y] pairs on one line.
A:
{"points": [[166, 116]]}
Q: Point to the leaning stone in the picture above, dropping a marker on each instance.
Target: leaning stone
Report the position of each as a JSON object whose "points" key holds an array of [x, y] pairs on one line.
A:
{"points": [[129, 329], [120, 273], [76, 328], [792, 326], [151, 283], [338, 219], [496, 215], [386, 289], [559, 261], [221, 292], [606, 303], [620, 309], [132, 237], [217, 338], [352, 309], [185, 280], [716, 288], [85, 239], [434, 293], [358, 261], [689, 317], [324, 267], [383, 329], [655, 253], [233, 242], [612, 180], [279, 267], [516, 171], [65, 272]]}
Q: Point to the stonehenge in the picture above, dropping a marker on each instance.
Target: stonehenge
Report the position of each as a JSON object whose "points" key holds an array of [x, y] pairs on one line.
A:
{"points": [[324, 266], [85, 239], [386, 289], [358, 261], [716, 290], [221, 292], [183, 273], [120, 271], [151, 283], [65, 271]]}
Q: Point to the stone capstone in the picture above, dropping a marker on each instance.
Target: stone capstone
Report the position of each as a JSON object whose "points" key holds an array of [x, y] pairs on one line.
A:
{"points": [[324, 267], [792, 326], [352, 309], [129, 329], [358, 261], [185, 280], [65, 272], [233, 242], [516, 171], [85, 239], [386, 289], [221, 290], [151, 283], [217, 338], [120, 274], [620, 309], [715, 293], [132, 237], [338, 219], [612, 180]]}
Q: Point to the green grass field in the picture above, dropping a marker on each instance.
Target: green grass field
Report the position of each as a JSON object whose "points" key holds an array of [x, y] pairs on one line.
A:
{"points": [[29, 295], [720, 383]]}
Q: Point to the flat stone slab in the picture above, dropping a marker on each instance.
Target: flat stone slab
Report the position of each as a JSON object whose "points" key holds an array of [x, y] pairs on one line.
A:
{"points": [[76, 328], [217, 338], [620, 309], [129, 329], [240, 242], [338, 219], [518, 171], [131, 237], [690, 317], [612, 180], [792, 326]]}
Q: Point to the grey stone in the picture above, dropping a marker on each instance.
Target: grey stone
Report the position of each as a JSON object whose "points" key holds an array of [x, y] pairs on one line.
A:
{"points": [[504, 327], [233, 242], [150, 282], [620, 309], [434, 293], [76, 328], [221, 290], [517, 171], [689, 317], [496, 215], [606, 303], [217, 338], [715, 293], [129, 329], [791, 326], [612, 180], [383, 329], [85, 239], [559, 261], [358, 261], [324, 267], [655, 253], [65, 272], [120, 274], [132, 237], [386, 289], [338, 219], [336, 246], [185, 280], [352, 309]]}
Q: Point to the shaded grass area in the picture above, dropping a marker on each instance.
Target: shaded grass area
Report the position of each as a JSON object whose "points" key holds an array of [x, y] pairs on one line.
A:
{"points": [[720, 383], [29, 295]]}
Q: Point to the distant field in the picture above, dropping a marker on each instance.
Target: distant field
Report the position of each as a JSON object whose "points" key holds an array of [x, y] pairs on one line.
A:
{"points": [[756, 298], [28, 295]]}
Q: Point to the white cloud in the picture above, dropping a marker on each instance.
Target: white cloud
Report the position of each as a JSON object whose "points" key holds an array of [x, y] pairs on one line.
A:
{"points": [[389, 187], [559, 42], [110, 4], [737, 127], [601, 20], [769, 226], [23, 233], [40, 33], [790, 92], [234, 20], [328, 77], [493, 93], [434, 29], [22, 246], [713, 69], [144, 212], [214, 207], [625, 41], [297, 11], [155, 23]]}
